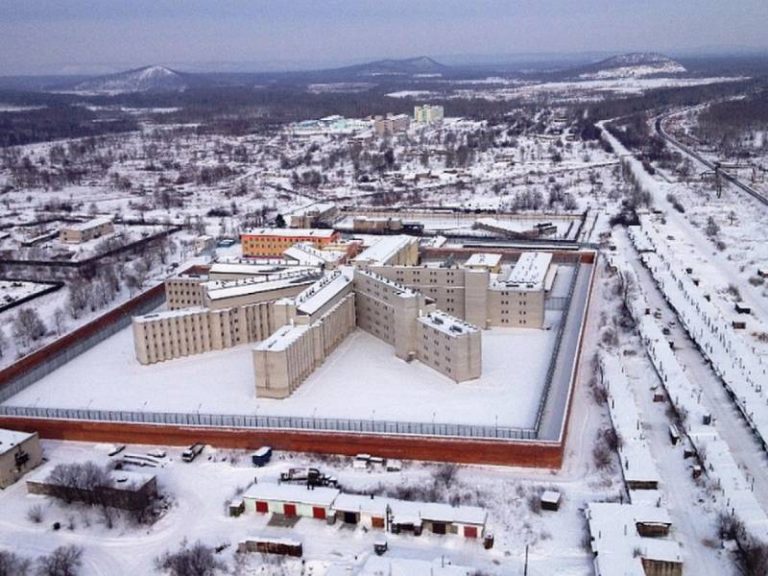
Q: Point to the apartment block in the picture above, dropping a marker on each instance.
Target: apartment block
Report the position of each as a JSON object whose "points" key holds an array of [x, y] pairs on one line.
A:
{"points": [[274, 241], [391, 124], [428, 114]]}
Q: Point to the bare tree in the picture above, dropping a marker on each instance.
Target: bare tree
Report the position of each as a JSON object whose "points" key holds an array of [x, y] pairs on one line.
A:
{"points": [[64, 561], [28, 326], [195, 560], [13, 565]]}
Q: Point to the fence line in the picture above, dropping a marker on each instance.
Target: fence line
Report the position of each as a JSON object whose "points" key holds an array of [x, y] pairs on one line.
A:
{"points": [[556, 350], [266, 422]]}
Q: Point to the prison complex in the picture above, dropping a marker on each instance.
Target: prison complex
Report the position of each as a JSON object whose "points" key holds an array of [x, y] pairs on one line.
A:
{"points": [[300, 308]]}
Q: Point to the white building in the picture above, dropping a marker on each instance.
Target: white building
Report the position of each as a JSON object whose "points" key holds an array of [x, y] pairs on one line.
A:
{"points": [[428, 114]]}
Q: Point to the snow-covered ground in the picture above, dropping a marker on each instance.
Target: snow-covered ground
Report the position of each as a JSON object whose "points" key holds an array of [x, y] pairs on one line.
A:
{"points": [[362, 379]]}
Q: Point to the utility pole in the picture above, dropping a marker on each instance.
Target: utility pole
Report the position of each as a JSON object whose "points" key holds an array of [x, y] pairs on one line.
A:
{"points": [[525, 570]]}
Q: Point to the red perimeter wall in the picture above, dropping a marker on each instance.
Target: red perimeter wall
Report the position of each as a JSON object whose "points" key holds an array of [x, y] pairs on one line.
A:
{"points": [[523, 453]]}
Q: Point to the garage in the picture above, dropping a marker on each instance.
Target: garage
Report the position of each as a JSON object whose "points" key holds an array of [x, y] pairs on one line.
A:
{"points": [[262, 507], [318, 512]]}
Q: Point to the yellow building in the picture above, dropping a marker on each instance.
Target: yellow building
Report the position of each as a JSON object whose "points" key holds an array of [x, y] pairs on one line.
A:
{"points": [[275, 241]]}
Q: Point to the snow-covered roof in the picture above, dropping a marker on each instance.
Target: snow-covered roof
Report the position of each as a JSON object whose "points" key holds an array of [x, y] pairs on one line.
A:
{"points": [[550, 497], [89, 224], [360, 503], [447, 324], [618, 547], [282, 338], [266, 491], [305, 253], [483, 259], [222, 290], [636, 461], [323, 291], [292, 232], [530, 270], [250, 268], [385, 249], [9, 439], [165, 314]]}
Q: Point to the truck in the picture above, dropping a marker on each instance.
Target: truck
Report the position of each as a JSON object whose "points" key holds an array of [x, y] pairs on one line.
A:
{"points": [[308, 476], [192, 452]]}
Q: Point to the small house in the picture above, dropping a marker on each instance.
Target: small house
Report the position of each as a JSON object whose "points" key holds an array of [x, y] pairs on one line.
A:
{"points": [[19, 453], [290, 500]]}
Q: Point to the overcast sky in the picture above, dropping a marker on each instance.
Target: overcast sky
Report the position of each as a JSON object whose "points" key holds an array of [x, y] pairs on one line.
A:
{"points": [[48, 36]]}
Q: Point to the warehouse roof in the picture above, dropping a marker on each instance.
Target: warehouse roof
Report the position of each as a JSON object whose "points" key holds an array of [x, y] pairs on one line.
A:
{"points": [[292, 232], [265, 491]]}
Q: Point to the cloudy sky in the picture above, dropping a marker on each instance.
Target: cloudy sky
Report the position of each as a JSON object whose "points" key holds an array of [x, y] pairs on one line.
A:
{"points": [[52, 36]]}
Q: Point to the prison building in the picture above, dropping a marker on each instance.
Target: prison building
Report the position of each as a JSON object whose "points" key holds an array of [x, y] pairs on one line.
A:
{"points": [[632, 540], [20, 452], [284, 360], [162, 336], [185, 291], [85, 231], [389, 311], [517, 296], [319, 213], [483, 261], [244, 268], [306, 254], [275, 241], [458, 291], [449, 346], [265, 288], [400, 250]]}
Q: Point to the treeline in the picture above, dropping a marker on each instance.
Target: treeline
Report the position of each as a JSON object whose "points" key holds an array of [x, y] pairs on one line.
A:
{"points": [[733, 120], [58, 122]]}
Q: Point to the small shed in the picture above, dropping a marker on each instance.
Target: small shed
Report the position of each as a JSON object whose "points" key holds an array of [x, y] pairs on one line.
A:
{"points": [[290, 500], [19, 453], [550, 500], [272, 545], [742, 308], [262, 456]]}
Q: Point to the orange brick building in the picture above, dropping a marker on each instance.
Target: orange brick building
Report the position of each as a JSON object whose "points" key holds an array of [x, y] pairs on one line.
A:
{"points": [[275, 241]]}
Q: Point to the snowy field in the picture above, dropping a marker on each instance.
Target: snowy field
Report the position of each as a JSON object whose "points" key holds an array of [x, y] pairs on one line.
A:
{"points": [[362, 379]]}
